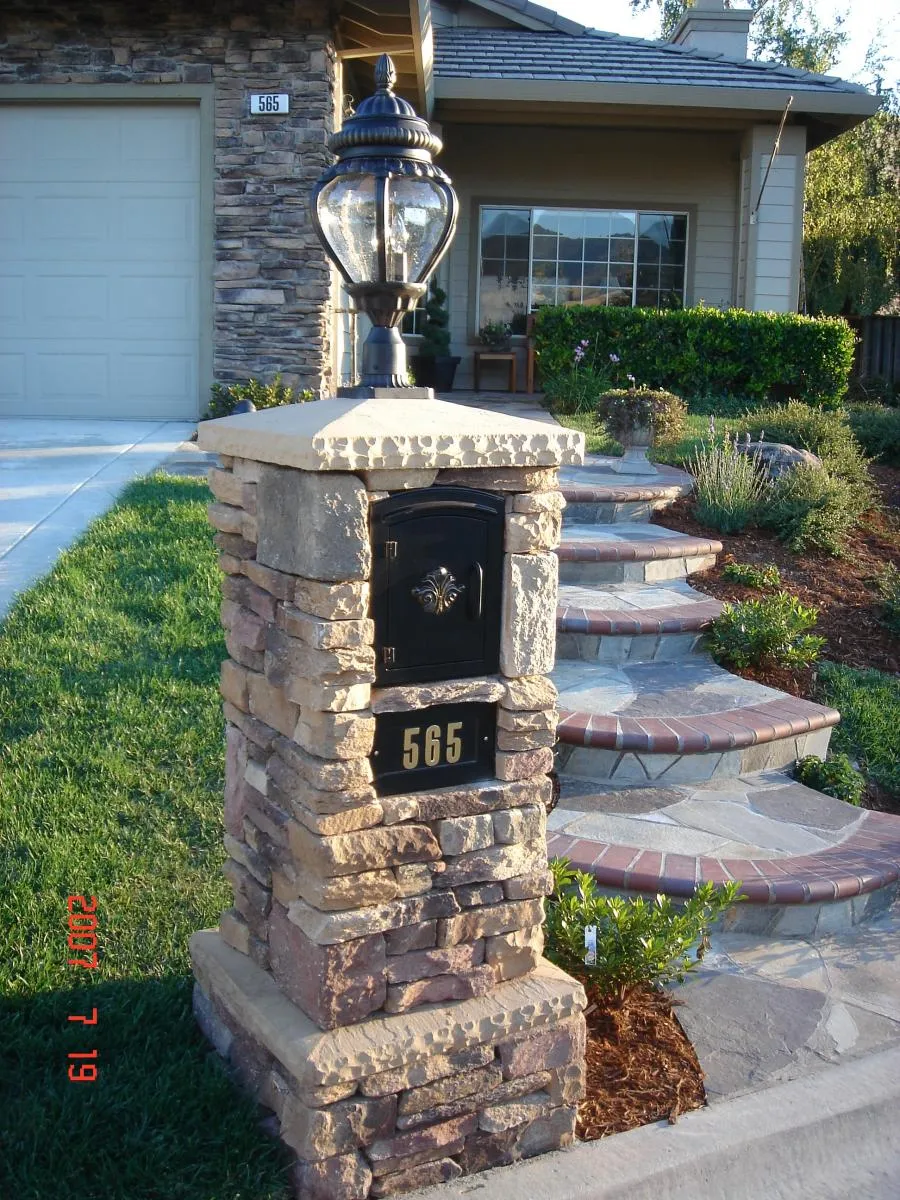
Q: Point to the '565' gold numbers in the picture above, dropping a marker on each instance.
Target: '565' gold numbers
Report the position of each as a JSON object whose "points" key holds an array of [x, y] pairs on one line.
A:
{"points": [[436, 747]]}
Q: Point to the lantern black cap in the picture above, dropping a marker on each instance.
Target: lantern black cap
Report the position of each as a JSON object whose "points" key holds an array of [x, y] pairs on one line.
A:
{"points": [[387, 121]]}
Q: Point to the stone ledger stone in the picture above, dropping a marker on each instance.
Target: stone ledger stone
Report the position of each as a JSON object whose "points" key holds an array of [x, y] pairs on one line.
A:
{"points": [[315, 525]]}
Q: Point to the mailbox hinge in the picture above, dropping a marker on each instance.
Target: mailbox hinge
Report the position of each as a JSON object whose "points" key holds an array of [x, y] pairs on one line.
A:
{"points": [[388, 654], [390, 549]]}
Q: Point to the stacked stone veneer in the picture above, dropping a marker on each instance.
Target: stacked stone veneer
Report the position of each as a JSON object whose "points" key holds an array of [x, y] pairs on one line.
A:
{"points": [[409, 926], [272, 278]]}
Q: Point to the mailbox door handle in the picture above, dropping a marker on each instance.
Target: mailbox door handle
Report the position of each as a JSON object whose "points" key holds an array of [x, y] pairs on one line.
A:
{"points": [[476, 591]]}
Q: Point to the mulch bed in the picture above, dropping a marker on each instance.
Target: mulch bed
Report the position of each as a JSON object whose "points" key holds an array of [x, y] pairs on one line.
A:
{"points": [[640, 1065], [843, 589]]}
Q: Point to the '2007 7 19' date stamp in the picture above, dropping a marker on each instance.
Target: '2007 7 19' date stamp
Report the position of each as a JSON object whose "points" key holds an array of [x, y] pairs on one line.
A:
{"points": [[82, 940]]}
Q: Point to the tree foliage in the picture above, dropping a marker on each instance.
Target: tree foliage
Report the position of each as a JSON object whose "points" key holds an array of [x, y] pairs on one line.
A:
{"points": [[851, 229], [785, 31]]}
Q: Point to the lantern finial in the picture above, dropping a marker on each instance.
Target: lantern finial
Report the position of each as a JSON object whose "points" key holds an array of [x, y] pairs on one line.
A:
{"points": [[385, 74]]}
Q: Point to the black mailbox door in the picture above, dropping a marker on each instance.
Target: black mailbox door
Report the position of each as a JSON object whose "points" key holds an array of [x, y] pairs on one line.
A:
{"points": [[438, 560]]}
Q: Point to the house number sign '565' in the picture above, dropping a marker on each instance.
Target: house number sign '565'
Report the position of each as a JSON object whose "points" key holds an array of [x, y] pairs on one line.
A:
{"points": [[439, 745], [269, 102]]}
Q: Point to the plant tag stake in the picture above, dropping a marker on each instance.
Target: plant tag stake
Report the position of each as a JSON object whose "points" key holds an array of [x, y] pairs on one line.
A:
{"points": [[590, 945]]}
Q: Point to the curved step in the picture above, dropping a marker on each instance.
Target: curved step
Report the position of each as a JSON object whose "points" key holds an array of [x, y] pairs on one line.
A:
{"points": [[679, 722], [630, 553], [631, 621], [843, 866], [599, 496]]}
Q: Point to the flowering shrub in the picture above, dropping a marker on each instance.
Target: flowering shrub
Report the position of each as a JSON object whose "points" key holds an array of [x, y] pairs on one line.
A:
{"points": [[624, 410], [729, 486]]}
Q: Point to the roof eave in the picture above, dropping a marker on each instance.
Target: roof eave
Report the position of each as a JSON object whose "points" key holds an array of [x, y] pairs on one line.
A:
{"points": [[553, 92]]}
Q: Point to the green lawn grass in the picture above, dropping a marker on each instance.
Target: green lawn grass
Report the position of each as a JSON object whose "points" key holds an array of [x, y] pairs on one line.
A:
{"points": [[111, 764], [869, 704], [598, 441]]}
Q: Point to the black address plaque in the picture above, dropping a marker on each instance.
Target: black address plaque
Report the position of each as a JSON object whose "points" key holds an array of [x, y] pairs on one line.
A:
{"points": [[434, 747]]}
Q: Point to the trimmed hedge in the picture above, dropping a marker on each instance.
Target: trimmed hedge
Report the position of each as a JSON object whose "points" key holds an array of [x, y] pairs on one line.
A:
{"points": [[702, 351]]}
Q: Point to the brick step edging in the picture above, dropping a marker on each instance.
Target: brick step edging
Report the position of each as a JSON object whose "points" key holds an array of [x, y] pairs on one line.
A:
{"points": [[734, 729], [866, 862], [623, 494], [681, 618], [651, 550]]}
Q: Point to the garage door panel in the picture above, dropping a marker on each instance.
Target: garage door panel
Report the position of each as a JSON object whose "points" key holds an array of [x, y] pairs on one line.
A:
{"points": [[12, 381], [164, 300], [167, 219], [81, 377], [99, 310], [12, 219], [76, 298], [155, 378], [12, 298]]}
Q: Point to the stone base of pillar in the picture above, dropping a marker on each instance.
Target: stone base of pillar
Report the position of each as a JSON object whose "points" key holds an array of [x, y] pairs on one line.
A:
{"points": [[402, 1101]]}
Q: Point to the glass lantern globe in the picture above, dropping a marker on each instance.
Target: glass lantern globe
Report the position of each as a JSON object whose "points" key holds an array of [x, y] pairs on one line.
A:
{"points": [[386, 216]]}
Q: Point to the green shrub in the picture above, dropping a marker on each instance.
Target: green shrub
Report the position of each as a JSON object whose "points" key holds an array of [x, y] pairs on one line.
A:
{"points": [[811, 510], [624, 409], [835, 776], [888, 583], [638, 941], [869, 704], [729, 487], [827, 434], [706, 351], [770, 632], [435, 341], [225, 397], [765, 579], [878, 432]]}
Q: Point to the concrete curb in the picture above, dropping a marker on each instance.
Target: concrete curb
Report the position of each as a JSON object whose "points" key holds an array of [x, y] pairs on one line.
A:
{"points": [[825, 1137]]}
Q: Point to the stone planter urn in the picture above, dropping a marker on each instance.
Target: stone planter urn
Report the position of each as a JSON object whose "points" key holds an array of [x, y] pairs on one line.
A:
{"points": [[637, 442]]}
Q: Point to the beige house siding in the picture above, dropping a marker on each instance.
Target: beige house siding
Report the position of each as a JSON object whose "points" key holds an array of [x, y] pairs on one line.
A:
{"points": [[693, 173]]}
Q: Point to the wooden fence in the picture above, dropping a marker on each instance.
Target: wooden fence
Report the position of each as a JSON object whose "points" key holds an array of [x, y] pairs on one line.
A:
{"points": [[878, 348]]}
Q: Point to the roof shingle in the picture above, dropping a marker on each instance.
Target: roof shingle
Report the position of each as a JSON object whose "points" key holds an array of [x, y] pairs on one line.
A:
{"points": [[597, 57]]}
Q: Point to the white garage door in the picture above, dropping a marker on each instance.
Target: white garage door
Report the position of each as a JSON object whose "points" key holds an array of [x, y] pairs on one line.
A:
{"points": [[99, 257]]}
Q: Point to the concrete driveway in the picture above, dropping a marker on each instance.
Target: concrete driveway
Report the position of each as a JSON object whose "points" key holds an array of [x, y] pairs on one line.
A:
{"points": [[57, 476]]}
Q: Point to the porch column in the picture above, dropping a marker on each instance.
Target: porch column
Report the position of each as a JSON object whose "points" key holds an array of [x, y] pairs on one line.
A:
{"points": [[771, 235]]}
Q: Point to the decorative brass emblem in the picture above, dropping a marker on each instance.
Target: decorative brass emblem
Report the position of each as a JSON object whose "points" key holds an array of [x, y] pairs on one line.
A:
{"points": [[438, 591]]}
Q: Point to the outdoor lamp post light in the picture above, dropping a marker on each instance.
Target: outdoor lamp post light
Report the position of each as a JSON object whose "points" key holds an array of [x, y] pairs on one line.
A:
{"points": [[386, 215]]}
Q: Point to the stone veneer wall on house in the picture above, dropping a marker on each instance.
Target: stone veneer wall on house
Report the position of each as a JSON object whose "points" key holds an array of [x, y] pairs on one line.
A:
{"points": [[272, 280], [378, 982]]}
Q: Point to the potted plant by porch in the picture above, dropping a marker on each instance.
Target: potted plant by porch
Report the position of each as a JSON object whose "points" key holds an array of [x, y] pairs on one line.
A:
{"points": [[433, 365], [495, 335], [637, 417]]}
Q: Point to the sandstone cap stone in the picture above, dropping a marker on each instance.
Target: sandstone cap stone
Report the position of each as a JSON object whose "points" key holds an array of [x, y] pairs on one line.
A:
{"points": [[395, 434]]}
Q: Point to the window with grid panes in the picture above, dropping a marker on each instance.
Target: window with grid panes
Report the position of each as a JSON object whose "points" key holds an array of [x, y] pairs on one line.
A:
{"points": [[541, 256]]}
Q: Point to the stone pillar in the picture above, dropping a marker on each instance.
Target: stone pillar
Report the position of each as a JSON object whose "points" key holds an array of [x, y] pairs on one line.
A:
{"points": [[378, 982]]}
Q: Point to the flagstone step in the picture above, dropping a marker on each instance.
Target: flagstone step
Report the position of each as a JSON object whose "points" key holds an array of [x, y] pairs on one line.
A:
{"points": [[809, 865], [598, 494], [631, 553], [682, 722], [635, 622]]}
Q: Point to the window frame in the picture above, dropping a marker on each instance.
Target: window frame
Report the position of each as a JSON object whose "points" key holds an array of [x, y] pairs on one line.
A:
{"points": [[633, 210]]}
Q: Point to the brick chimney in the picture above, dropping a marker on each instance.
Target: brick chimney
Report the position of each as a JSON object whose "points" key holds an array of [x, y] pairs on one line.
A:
{"points": [[713, 29]]}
